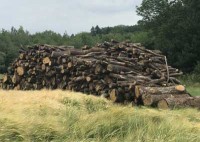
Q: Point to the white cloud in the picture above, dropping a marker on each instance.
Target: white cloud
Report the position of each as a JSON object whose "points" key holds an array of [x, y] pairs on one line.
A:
{"points": [[66, 15]]}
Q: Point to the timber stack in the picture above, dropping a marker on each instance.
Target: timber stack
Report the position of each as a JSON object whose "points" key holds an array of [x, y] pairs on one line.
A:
{"points": [[120, 71]]}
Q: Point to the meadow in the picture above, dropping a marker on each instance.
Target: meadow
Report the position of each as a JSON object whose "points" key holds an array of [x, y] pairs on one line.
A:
{"points": [[68, 116]]}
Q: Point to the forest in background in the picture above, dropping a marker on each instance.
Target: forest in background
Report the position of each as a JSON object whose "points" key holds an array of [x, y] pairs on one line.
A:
{"points": [[171, 26], [12, 40]]}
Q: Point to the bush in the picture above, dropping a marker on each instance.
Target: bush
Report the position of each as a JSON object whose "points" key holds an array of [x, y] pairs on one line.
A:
{"points": [[197, 69]]}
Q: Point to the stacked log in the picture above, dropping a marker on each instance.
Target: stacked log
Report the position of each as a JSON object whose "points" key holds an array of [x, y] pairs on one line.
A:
{"points": [[120, 71], [151, 96], [170, 103]]}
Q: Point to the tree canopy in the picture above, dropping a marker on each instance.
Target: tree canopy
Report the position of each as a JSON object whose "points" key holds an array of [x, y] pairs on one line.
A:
{"points": [[173, 27], [12, 40]]}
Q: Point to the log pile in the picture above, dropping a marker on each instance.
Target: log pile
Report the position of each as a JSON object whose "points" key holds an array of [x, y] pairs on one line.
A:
{"points": [[120, 71]]}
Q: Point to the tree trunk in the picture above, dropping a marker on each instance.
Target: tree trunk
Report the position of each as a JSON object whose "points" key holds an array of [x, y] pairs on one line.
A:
{"points": [[171, 103], [141, 90], [152, 100]]}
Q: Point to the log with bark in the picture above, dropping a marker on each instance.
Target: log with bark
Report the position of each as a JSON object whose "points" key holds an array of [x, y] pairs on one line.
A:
{"points": [[120, 71], [171, 103]]}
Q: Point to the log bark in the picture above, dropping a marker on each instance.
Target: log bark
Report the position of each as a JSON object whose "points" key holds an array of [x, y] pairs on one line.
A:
{"points": [[15, 79], [141, 90], [152, 100], [117, 68], [17, 87], [116, 95], [171, 103], [5, 78]]}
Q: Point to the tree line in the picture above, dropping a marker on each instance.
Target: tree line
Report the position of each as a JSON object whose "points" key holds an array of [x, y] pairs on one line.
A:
{"points": [[12, 40], [172, 26]]}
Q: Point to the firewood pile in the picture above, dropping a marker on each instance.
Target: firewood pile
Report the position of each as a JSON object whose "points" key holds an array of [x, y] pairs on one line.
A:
{"points": [[120, 71]]}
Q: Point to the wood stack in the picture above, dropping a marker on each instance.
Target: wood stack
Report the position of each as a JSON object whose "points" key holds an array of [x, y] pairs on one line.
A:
{"points": [[121, 72]]}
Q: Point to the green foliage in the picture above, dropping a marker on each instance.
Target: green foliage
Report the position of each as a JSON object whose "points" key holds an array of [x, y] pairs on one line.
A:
{"points": [[194, 90], [197, 68], [140, 37], [11, 41], [94, 106], [70, 103], [173, 27], [192, 83], [9, 131], [190, 79], [41, 133], [120, 29]]}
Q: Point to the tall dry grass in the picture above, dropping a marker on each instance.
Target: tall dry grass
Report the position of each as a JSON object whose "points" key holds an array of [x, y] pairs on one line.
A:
{"points": [[67, 116]]}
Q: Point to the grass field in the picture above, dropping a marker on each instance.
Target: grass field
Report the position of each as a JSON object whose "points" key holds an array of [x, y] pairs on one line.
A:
{"points": [[66, 116], [194, 90]]}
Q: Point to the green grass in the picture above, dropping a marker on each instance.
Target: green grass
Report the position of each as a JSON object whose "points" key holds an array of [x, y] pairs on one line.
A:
{"points": [[66, 116], [194, 90], [1, 76], [192, 83]]}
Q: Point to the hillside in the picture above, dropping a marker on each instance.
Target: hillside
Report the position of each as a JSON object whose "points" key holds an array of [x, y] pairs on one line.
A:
{"points": [[67, 116]]}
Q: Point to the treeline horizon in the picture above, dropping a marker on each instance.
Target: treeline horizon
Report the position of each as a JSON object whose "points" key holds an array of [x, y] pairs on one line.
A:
{"points": [[12, 40], [169, 26]]}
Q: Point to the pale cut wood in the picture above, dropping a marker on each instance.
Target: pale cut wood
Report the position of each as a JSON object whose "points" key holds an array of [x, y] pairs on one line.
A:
{"points": [[15, 79], [5, 78], [152, 100], [47, 60], [117, 95], [17, 87]]}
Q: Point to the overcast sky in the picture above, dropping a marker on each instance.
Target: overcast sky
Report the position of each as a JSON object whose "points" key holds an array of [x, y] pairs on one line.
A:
{"points": [[72, 16]]}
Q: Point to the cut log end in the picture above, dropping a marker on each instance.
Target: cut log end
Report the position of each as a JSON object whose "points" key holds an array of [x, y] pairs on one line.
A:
{"points": [[163, 104], [20, 71], [5, 78], [88, 79], [22, 56], [69, 65], [113, 95], [109, 68], [47, 60], [152, 100], [14, 79], [137, 91], [180, 88]]}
